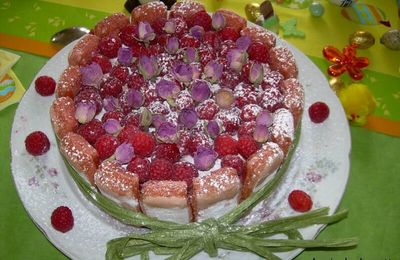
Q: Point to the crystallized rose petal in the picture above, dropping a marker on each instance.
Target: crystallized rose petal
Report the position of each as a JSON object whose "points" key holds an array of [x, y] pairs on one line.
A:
{"points": [[69, 82], [111, 25], [258, 34], [83, 51], [233, 19], [149, 12], [62, 115], [294, 97], [282, 60]]}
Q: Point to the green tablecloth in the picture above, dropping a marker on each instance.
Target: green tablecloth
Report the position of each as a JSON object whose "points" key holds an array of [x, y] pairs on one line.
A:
{"points": [[372, 194]]}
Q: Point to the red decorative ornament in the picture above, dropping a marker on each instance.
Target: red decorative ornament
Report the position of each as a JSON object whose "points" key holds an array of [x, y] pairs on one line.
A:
{"points": [[346, 61]]}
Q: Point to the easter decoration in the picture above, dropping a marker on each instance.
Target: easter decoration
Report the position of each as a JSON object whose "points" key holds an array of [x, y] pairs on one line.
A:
{"points": [[316, 9], [391, 39], [263, 15], [342, 3], [365, 14], [362, 39], [290, 29], [294, 4]]}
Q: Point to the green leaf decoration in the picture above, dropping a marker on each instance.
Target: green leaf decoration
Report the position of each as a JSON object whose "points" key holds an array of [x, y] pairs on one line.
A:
{"points": [[290, 29], [183, 241]]}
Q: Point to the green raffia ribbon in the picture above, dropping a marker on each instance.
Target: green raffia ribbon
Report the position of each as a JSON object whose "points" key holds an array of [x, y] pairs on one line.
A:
{"points": [[182, 241]]}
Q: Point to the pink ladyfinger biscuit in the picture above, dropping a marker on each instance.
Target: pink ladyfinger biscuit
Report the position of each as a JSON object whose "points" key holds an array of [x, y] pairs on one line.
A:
{"points": [[186, 9], [294, 97], [80, 154], [62, 115], [282, 60], [69, 82], [118, 184], [258, 34], [282, 129], [260, 166], [111, 25], [82, 52], [149, 12], [233, 19]]}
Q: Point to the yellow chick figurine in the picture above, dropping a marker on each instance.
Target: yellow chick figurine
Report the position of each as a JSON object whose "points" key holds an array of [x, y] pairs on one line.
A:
{"points": [[358, 102]]}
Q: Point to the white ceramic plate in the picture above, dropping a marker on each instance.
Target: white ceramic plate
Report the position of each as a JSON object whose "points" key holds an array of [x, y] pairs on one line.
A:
{"points": [[320, 166]]}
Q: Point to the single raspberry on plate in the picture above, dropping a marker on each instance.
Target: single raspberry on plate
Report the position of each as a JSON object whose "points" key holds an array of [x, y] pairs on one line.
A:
{"points": [[188, 40], [126, 133], [207, 109], [45, 85], [109, 46], [233, 161], [91, 131], [247, 146], [202, 19], [318, 112], [259, 52], [37, 143], [161, 169], [228, 33], [111, 87], [140, 166], [168, 152], [185, 171], [300, 201], [225, 144], [103, 62], [143, 143], [62, 219], [106, 145]]}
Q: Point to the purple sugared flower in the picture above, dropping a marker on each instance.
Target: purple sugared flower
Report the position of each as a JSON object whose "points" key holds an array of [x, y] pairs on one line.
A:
{"points": [[236, 59], [172, 45], [110, 103], [167, 132], [218, 21], [204, 158], [260, 133], [169, 26], [213, 71], [264, 118], [224, 98], [145, 32], [134, 98], [213, 128], [167, 89], [125, 56], [157, 120], [91, 74], [124, 153], [256, 74], [188, 117], [243, 42], [190, 55], [146, 117], [200, 90], [112, 126], [148, 67], [196, 71], [183, 72], [197, 32], [85, 112]]}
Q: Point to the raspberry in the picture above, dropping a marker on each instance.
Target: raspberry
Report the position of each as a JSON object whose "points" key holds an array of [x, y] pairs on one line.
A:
{"points": [[246, 128], [120, 72], [188, 41], [259, 52], [117, 115], [225, 47], [37, 143], [207, 109], [161, 169], [202, 19], [140, 167], [91, 131], [45, 85], [196, 139], [103, 61], [62, 219], [90, 94], [250, 112], [132, 119], [228, 33], [230, 119], [168, 152], [244, 95], [112, 87], [211, 39], [109, 46], [224, 144], [300, 201], [136, 81], [185, 171], [245, 73], [247, 146], [206, 55], [180, 26], [235, 162], [126, 132], [158, 25], [128, 34], [272, 99], [143, 143], [318, 112], [106, 145]]}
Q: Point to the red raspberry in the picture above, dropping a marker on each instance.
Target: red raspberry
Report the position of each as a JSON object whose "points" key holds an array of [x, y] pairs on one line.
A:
{"points": [[235, 162], [91, 131], [143, 143], [300, 201], [37, 143], [132, 119], [90, 94], [112, 87], [168, 152], [185, 171], [245, 73], [272, 99], [109, 46], [202, 19], [207, 109], [318, 112], [136, 49], [103, 61], [126, 133], [230, 119], [249, 112], [247, 146], [246, 128], [161, 169], [196, 139], [117, 115], [244, 95], [140, 167], [128, 34], [162, 40], [188, 40], [45, 85], [136, 81], [106, 145], [224, 144], [206, 54], [180, 26], [62, 219], [158, 25], [228, 33], [120, 72], [259, 52], [211, 39]]}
